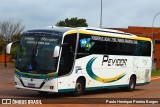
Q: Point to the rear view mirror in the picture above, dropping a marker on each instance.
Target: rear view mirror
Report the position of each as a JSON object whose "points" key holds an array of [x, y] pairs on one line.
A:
{"points": [[56, 51], [9, 46]]}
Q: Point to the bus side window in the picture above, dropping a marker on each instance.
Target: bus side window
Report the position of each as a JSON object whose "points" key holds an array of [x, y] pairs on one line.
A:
{"points": [[67, 55], [143, 48]]}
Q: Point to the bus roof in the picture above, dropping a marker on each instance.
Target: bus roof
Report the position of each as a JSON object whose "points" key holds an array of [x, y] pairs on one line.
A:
{"points": [[66, 29], [89, 30]]}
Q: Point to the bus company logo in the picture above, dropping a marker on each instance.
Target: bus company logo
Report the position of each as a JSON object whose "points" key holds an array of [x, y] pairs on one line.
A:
{"points": [[114, 62], [92, 74], [86, 43]]}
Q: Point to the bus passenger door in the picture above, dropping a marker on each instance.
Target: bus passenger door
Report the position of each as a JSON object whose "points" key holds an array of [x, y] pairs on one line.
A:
{"points": [[65, 80]]}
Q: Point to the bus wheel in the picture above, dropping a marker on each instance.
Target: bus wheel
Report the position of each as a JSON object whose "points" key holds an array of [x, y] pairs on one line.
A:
{"points": [[132, 83], [79, 88], [42, 92]]}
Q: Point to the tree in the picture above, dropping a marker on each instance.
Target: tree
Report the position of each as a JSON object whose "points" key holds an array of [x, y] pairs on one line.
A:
{"points": [[16, 37], [10, 28], [9, 31], [2, 44], [73, 22]]}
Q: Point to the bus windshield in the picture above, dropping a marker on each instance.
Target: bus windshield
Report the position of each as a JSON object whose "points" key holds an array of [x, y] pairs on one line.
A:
{"points": [[35, 53]]}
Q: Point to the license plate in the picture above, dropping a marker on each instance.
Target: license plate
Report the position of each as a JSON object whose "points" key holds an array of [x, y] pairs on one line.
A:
{"points": [[31, 85]]}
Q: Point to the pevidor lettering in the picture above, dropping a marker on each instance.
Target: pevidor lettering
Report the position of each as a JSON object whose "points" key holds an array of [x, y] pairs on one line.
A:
{"points": [[114, 62]]}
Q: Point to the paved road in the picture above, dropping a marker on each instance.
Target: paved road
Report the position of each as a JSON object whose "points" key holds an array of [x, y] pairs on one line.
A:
{"points": [[7, 90]]}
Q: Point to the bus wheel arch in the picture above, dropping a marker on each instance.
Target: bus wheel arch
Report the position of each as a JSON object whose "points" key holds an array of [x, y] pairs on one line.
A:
{"points": [[80, 86], [132, 82], [131, 85]]}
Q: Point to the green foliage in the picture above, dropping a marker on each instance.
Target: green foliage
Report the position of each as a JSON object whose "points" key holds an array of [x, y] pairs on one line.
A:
{"points": [[14, 52], [155, 72], [2, 44], [15, 47], [73, 22], [16, 37]]}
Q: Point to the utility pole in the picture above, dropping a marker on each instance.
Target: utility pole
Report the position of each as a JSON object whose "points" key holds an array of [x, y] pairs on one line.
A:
{"points": [[153, 65], [5, 62], [101, 15]]}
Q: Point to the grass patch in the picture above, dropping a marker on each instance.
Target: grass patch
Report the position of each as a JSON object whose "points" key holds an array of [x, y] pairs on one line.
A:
{"points": [[155, 72]]}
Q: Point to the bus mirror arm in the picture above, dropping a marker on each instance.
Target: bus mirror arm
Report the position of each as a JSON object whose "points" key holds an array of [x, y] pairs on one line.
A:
{"points": [[64, 44], [9, 46]]}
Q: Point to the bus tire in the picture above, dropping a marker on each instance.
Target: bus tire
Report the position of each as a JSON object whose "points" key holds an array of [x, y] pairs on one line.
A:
{"points": [[79, 88], [42, 93], [132, 83]]}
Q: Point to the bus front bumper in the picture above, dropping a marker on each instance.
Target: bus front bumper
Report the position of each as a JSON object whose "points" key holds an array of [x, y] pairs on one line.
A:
{"points": [[36, 84]]}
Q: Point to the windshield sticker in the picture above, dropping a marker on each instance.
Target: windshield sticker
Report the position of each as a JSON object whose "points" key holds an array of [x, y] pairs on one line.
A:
{"points": [[29, 38], [42, 41], [49, 39], [117, 40], [85, 43]]}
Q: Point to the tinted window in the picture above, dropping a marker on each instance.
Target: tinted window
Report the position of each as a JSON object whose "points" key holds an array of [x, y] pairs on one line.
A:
{"points": [[67, 55], [87, 46], [143, 48], [92, 44], [35, 54]]}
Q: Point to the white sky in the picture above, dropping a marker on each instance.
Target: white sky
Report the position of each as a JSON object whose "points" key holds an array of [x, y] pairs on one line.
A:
{"points": [[116, 13]]}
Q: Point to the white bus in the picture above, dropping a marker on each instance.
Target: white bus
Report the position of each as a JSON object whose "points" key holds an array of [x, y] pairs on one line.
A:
{"points": [[60, 59]]}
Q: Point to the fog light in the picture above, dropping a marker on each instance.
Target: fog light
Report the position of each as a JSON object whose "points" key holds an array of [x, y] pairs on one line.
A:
{"points": [[51, 87]]}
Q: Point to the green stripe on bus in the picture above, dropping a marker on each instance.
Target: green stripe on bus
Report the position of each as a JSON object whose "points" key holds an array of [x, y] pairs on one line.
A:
{"points": [[140, 84], [66, 90], [103, 87], [35, 76]]}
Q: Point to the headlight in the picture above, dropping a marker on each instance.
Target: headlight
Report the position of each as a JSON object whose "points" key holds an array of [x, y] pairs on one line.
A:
{"points": [[48, 79]]}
